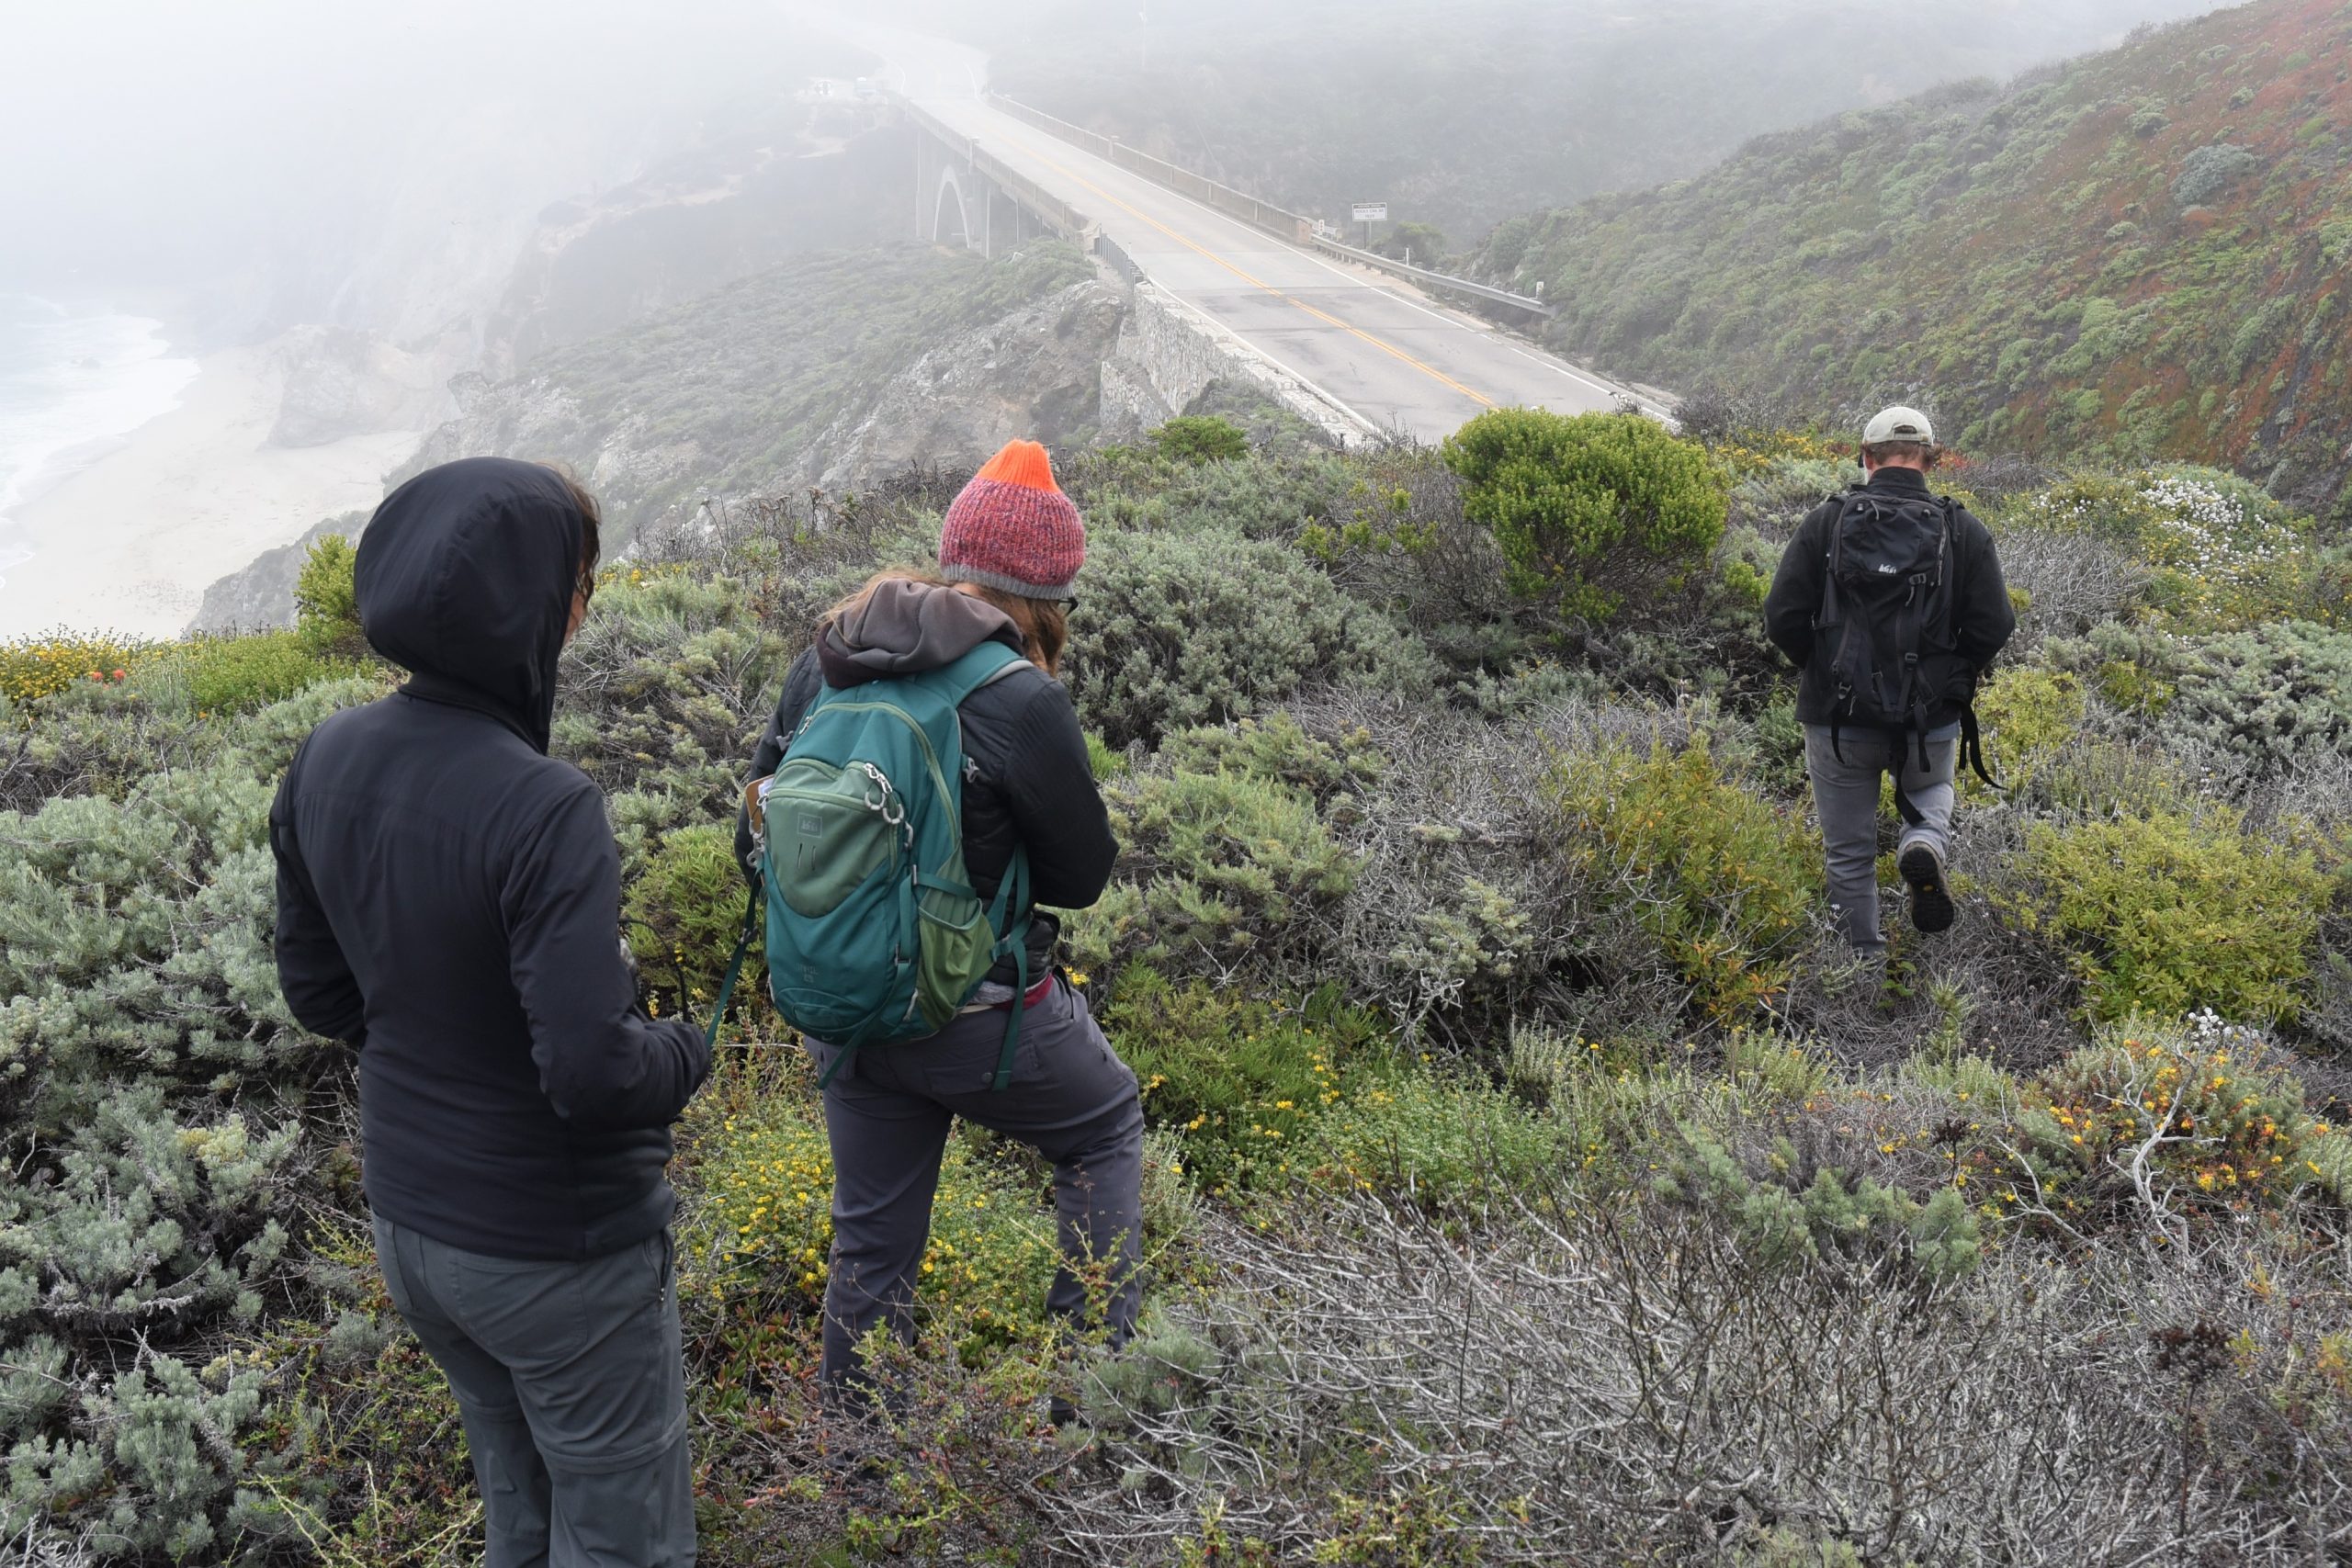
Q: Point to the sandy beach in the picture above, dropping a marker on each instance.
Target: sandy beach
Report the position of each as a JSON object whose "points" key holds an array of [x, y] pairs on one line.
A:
{"points": [[130, 543]]}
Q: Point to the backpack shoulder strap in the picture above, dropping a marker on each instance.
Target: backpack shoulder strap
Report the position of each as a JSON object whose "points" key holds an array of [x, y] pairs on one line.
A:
{"points": [[989, 662]]}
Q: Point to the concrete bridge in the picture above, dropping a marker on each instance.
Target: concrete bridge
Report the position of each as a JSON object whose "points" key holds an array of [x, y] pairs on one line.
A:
{"points": [[964, 196], [1225, 283]]}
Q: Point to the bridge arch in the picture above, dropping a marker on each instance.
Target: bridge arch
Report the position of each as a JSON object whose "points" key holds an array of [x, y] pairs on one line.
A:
{"points": [[950, 193]]}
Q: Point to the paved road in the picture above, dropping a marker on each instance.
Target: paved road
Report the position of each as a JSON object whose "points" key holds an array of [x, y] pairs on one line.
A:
{"points": [[1370, 343]]}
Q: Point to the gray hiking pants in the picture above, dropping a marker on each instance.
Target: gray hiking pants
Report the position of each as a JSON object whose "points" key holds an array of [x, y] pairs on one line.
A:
{"points": [[573, 1388], [1846, 793], [888, 1115]]}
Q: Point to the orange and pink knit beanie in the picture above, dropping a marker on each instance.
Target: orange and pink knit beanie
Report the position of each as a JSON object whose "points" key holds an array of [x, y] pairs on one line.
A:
{"points": [[1012, 528]]}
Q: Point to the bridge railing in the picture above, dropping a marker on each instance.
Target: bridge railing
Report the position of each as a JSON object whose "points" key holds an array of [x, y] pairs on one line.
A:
{"points": [[1050, 209], [1292, 226]]}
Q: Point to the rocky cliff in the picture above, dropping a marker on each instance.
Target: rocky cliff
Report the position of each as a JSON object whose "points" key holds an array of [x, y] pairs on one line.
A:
{"points": [[821, 372]]}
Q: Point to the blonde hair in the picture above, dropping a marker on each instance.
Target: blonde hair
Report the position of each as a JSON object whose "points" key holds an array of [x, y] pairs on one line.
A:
{"points": [[1044, 624]]}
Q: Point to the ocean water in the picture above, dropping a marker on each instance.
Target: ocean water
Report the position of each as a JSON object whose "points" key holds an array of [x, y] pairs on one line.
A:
{"points": [[70, 382]]}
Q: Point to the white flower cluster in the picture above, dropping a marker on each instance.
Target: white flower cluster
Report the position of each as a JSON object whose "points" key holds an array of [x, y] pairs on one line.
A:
{"points": [[2209, 1032], [2211, 533], [2077, 508]]}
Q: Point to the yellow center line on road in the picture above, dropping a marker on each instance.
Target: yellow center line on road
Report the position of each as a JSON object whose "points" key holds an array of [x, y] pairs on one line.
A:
{"points": [[1432, 371]]}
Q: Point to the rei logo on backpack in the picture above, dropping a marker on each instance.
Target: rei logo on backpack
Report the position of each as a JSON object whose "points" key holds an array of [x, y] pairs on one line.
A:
{"points": [[1887, 619], [873, 933]]}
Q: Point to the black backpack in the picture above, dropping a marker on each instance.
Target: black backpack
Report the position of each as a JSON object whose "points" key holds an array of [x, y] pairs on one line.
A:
{"points": [[1887, 619]]}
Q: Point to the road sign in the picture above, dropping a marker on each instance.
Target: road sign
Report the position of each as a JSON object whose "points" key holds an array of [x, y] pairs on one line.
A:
{"points": [[1372, 212]]}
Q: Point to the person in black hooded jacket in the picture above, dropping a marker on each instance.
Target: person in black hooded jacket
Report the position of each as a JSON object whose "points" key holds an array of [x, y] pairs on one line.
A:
{"points": [[1846, 766], [1009, 552], [449, 902]]}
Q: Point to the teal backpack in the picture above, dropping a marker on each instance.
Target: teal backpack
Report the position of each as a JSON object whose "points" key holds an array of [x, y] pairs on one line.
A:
{"points": [[873, 933]]}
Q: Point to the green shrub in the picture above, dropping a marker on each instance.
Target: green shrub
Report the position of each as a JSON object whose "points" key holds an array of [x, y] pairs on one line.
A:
{"points": [[141, 1222], [2135, 668], [1269, 495], [150, 1229], [1726, 882], [1222, 867], [2028, 714], [1176, 630], [2164, 912], [685, 912], [1242, 1080], [1591, 510], [1201, 438], [326, 602], [2208, 171], [666, 687], [239, 675], [1833, 1215], [1441, 1141], [1277, 751], [1782, 489], [2221, 1125], [2277, 694]]}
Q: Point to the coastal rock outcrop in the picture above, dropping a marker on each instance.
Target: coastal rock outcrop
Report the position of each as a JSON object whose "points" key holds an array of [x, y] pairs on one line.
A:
{"points": [[340, 381]]}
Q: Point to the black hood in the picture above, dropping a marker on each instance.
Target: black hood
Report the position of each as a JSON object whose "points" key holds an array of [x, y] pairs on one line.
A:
{"points": [[904, 627], [465, 578]]}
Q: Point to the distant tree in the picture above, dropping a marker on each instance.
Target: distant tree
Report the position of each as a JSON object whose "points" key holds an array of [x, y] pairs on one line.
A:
{"points": [[1201, 438], [1422, 243], [1589, 509]]}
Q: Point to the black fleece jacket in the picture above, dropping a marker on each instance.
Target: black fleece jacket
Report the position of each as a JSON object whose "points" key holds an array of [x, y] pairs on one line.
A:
{"points": [[1981, 616], [1027, 778], [449, 897]]}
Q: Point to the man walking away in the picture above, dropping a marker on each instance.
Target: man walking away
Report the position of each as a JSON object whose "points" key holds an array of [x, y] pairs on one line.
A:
{"points": [[1891, 602], [448, 901]]}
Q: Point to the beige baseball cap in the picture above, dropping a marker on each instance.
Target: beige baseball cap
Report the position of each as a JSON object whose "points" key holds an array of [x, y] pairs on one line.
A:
{"points": [[1898, 424]]}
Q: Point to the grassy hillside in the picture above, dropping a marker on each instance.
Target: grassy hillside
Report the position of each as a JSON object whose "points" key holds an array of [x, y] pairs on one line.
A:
{"points": [[2141, 254], [727, 393], [1464, 113], [1527, 1157]]}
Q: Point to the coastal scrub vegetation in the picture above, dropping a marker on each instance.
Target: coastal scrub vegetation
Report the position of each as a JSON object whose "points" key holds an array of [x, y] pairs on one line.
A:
{"points": [[2156, 240], [1532, 1177]]}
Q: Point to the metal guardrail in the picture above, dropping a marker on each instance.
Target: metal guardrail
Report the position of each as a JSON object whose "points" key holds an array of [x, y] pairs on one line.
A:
{"points": [[1434, 280], [1295, 227], [1050, 209]]}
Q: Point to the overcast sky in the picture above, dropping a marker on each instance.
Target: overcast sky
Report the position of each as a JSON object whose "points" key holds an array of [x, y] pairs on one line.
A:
{"points": [[142, 136], [151, 143]]}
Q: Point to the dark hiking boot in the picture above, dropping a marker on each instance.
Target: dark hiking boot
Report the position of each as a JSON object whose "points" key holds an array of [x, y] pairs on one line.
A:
{"points": [[1922, 870]]}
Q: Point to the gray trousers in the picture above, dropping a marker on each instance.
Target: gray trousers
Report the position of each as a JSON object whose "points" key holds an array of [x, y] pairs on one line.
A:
{"points": [[888, 1115], [572, 1386], [1846, 793]]}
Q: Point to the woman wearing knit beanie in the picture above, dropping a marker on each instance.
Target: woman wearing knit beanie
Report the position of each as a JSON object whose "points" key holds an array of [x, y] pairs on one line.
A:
{"points": [[1009, 556]]}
